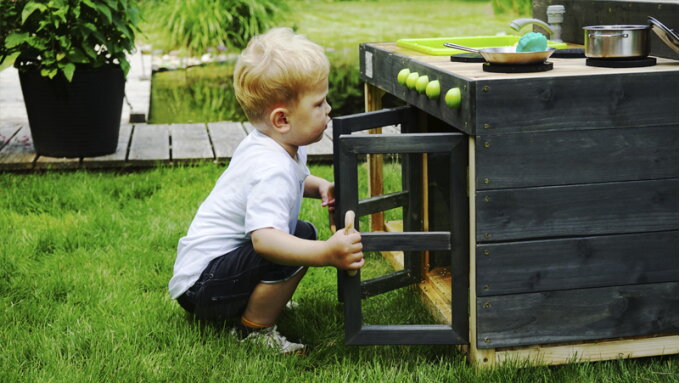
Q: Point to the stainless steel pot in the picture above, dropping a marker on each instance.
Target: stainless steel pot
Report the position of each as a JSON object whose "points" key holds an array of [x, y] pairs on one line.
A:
{"points": [[616, 41]]}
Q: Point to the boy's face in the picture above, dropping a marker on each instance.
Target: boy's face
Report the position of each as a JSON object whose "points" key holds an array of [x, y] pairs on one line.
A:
{"points": [[309, 118]]}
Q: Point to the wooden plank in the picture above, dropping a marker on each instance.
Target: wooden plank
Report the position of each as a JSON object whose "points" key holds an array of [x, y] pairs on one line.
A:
{"points": [[372, 102], [561, 158], [633, 100], [320, 151], [591, 351], [371, 120], [406, 241], [577, 210], [570, 89], [225, 138], [19, 153], [476, 355], [248, 127], [437, 302], [572, 263], [190, 142], [385, 283], [56, 163], [382, 203], [149, 145], [405, 334], [577, 315], [116, 159], [7, 131], [403, 143]]}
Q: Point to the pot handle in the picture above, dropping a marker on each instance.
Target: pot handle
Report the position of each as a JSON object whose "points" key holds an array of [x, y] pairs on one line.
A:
{"points": [[624, 35]]}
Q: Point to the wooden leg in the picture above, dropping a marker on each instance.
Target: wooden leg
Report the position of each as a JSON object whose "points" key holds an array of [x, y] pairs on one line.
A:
{"points": [[478, 357], [373, 101]]}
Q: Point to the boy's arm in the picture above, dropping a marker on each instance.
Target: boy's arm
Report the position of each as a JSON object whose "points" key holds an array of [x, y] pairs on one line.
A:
{"points": [[341, 250]]}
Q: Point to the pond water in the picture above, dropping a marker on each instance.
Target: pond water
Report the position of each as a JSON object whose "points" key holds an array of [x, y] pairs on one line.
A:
{"points": [[195, 94], [205, 93]]}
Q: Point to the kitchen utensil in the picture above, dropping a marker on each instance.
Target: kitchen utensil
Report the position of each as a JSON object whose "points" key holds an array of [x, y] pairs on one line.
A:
{"points": [[666, 35], [506, 55], [616, 41], [349, 225]]}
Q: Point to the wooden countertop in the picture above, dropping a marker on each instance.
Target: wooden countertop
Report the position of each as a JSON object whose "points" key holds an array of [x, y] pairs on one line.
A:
{"points": [[561, 67]]}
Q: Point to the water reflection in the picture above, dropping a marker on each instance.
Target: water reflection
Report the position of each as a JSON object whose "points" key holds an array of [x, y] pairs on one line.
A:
{"points": [[196, 94]]}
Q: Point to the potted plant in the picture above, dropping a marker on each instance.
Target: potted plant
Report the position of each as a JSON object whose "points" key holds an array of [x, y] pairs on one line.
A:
{"points": [[72, 66]]}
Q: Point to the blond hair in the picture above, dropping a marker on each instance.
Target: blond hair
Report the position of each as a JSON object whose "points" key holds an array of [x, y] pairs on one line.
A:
{"points": [[277, 67]]}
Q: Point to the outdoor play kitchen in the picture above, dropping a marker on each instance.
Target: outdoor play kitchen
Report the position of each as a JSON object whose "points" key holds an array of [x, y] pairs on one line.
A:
{"points": [[540, 185]]}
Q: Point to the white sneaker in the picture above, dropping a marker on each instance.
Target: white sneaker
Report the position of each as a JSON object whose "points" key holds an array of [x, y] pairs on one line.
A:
{"points": [[270, 337], [292, 305]]}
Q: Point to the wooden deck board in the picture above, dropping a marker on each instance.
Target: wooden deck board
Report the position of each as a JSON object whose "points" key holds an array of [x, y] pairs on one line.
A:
{"points": [[7, 131], [226, 136], [143, 145], [19, 153], [190, 142], [149, 144]]}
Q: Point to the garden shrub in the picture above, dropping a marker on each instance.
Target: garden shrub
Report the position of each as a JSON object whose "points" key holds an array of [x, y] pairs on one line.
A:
{"points": [[198, 25], [522, 7]]}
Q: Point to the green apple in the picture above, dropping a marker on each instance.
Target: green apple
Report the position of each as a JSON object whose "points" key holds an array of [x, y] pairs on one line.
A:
{"points": [[411, 80], [432, 90], [452, 98], [401, 77], [421, 83]]}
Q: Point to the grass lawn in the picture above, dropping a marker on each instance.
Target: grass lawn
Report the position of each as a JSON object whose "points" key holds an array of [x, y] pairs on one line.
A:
{"points": [[342, 26], [85, 258]]}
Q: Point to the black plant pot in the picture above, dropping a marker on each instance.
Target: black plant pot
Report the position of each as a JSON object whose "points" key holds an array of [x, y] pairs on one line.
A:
{"points": [[76, 119]]}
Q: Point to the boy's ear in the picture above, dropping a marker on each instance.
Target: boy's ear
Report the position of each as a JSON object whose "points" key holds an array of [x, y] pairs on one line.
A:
{"points": [[279, 119]]}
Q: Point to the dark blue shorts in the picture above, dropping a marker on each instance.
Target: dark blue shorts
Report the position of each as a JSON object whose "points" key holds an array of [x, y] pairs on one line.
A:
{"points": [[223, 289]]}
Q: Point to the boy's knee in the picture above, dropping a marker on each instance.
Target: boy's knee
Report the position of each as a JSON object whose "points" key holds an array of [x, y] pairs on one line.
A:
{"points": [[306, 230]]}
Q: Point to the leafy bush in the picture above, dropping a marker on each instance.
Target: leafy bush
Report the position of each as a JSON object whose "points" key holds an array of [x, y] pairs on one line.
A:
{"points": [[56, 35], [522, 7], [196, 25]]}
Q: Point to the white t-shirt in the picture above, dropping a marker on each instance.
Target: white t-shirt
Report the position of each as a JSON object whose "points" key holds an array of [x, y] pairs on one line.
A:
{"points": [[262, 187]]}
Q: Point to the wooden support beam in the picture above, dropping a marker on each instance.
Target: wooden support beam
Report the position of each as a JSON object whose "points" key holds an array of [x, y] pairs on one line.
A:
{"points": [[373, 101]]}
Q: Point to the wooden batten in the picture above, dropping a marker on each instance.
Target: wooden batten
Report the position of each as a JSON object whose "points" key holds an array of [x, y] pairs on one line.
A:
{"points": [[373, 101]]}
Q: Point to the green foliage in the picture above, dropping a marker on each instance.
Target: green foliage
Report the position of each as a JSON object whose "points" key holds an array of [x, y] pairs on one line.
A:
{"points": [[197, 25], [523, 7], [55, 36]]}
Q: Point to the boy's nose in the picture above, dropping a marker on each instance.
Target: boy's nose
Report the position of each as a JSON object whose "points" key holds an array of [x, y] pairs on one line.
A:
{"points": [[329, 107]]}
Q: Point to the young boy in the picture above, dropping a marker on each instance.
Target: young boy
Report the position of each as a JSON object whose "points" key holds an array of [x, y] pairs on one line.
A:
{"points": [[246, 251]]}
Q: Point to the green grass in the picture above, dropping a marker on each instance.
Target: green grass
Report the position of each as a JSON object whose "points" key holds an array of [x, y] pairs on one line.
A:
{"points": [[342, 26], [85, 258]]}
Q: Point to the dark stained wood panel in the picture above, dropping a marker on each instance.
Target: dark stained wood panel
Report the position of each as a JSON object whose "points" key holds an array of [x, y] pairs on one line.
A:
{"points": [[573, 157], [572, 263], [575, 210], [577, 315], [584, 102]]}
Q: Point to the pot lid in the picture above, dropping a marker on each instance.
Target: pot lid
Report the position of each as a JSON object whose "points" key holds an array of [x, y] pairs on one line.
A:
{"points": [[666, 35]]}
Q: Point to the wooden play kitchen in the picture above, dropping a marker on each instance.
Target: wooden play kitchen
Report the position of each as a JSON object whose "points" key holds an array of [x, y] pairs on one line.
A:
{"points": [[540, 209]]}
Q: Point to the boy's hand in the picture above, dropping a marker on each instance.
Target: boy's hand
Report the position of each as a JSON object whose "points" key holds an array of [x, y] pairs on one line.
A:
{"points": [[344, 251], [326, 190]]}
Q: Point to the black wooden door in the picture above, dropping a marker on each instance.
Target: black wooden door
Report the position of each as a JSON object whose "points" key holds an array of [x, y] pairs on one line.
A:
{"points": [[411, 241]]}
